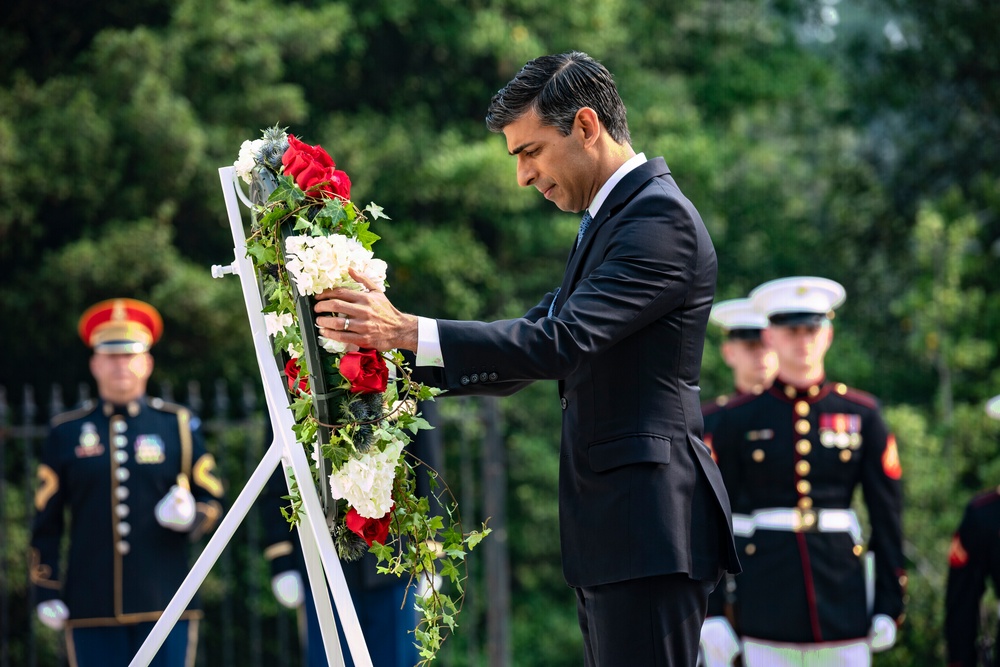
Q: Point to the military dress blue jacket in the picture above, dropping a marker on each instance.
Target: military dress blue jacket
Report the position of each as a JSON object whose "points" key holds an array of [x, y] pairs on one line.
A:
{"points": [[102, 470]]}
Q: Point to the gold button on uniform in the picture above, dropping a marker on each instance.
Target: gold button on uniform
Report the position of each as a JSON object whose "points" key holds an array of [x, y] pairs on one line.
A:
{"points": [[805, 503], [803, 447], [803, 487], [802, 426], [858, 549], [802, 468], [802, 408], [750, 549], [845, 455], [758, 455]]}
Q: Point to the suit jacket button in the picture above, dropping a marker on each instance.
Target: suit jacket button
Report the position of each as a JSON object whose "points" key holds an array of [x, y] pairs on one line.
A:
{"points": [[493, 377], [564, 402], [474, 378], [464, 380]]}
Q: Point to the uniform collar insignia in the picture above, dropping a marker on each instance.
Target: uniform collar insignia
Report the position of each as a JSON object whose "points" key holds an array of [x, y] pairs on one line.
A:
{"points": [[132, 408]]}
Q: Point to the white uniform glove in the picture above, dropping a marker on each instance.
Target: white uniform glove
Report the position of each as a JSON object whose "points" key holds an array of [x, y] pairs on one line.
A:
{"points": [[426, 588], [719, 644], [883, 633], [52, 613], [177, 510], [287, 588]]}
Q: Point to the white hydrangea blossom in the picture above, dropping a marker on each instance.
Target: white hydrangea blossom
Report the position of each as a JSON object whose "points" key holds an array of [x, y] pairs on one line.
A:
{"points": [[332, 346], [275, 323], [366, 481], [317, 263], [245, 162]]}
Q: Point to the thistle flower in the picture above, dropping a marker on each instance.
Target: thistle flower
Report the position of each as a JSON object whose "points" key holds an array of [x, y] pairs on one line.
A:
{"points": [[274, 145], [350, 545]]}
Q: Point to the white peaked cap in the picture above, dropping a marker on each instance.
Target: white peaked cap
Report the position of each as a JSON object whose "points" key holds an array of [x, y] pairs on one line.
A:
{"points": [[737, 314], [798, 299]]}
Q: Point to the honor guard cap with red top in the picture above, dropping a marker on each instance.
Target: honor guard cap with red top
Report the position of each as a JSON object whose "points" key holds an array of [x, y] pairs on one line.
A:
{"points": [[738, 319], [800, 300], [993, 407], [120, 326]]}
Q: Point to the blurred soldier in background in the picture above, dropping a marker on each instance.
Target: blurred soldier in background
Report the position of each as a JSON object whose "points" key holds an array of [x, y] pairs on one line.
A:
{"points": [[974, 558], [791, 459], [753, 363], [383, 604], [387, 623], [754, 366], [138, 485]]}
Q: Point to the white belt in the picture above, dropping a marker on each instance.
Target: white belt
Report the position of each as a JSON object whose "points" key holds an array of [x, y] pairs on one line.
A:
{"points": [[799, 521]]}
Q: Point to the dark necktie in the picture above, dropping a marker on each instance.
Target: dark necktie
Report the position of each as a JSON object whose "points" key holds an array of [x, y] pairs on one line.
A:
{"points": [[584, 223]]}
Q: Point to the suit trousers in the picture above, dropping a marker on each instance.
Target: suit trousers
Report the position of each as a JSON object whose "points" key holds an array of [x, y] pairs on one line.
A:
{"points": [[647, 622]]}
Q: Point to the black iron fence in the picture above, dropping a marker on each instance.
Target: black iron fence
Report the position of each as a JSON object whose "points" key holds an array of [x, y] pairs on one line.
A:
{"points": [[243, 624]]}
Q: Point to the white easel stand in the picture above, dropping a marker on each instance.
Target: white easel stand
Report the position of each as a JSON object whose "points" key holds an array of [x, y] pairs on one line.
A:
{"points": [[314, 535]]}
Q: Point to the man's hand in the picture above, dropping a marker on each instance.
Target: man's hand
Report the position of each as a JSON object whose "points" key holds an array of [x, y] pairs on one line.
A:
{"points": [[364, 318], [883, 633], [287, 588], [53, 613], [719, 644], [177, 509]]}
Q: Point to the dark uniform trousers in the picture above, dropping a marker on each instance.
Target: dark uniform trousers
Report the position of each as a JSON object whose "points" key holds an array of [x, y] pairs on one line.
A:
{"points": [[108, 466]]}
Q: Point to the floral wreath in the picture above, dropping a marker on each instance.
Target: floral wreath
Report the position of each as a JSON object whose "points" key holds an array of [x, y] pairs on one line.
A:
{"points": [[352, 415]]}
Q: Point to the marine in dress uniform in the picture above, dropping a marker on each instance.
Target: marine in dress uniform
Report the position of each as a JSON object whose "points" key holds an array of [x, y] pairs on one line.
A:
{"points": [[138, 485], [973, 559], [812, 591], [754, 366]]}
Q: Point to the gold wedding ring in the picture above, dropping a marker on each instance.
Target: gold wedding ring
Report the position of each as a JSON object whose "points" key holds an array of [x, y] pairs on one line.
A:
{"points": [[347, 323]]}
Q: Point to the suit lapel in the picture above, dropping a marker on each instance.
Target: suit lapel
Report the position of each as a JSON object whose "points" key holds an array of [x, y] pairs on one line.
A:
{"points": [[618, 197]]}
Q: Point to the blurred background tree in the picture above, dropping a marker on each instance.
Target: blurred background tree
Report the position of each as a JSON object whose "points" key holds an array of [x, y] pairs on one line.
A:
{"points": [[853, 139]]}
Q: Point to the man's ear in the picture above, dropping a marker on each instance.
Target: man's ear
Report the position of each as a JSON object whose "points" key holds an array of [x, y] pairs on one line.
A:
{"points": [[765, 335], [726, 349], [586, 121]]}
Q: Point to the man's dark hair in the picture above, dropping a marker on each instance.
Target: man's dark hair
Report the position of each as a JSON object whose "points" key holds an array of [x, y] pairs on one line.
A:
{"points": [[556, 87]]}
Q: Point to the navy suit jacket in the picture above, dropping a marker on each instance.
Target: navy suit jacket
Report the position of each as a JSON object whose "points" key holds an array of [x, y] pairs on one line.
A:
{"points": [[639, 494]]}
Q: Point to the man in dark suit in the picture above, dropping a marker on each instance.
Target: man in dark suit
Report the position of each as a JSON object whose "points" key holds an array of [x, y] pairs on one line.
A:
{"points": [[644, 517], [973, 561], [138, 485]]}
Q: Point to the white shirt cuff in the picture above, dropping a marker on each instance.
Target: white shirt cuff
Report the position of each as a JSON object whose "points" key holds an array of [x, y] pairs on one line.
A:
{"points": [[428, 343]]}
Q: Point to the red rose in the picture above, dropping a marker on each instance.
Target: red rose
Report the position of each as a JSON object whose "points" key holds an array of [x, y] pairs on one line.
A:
{"points": [[313, 168], [292, 374], [372, 530], [366, 371]]}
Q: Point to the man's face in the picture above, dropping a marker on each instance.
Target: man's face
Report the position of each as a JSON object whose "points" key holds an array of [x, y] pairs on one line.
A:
{"points": [[754, 364], [121, 377], [800, 347], [558, 166]]}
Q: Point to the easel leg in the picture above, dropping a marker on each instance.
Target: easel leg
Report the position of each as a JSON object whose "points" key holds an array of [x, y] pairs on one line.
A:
{"points": [[320, 555]]}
